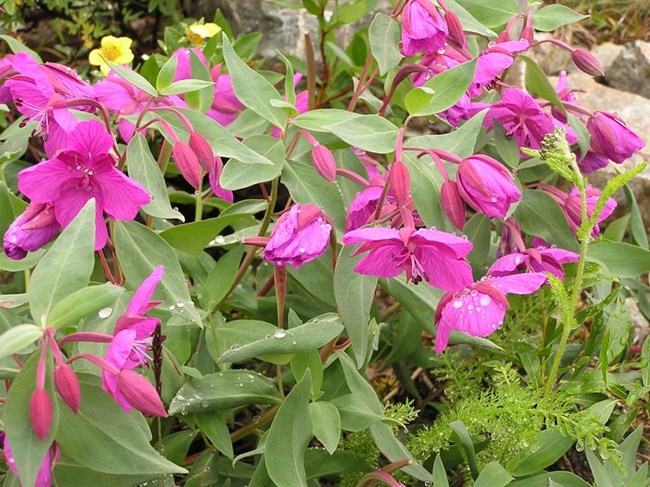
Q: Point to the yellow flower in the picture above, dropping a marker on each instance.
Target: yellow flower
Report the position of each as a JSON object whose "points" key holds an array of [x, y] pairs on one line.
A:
{"points": [[116, 50], [197, 32]]}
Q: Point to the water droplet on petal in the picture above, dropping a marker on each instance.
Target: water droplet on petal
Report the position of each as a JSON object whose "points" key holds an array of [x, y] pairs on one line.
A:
{"points": [[458, 303], [485, 300]]}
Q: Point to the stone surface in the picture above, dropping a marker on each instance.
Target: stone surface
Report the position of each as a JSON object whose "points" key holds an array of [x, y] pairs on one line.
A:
{"points": [[630, 71], [606, 53], [632, 108]]}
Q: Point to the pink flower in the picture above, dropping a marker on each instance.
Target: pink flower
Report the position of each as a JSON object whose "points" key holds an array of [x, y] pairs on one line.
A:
{"points": [[133, 335], [540, 259], [81, 171], [430, 255], [35, 227], [213, 177], [571, 207], [40, 92], [521, 116], [225, 105], [480, 308], [492, 61], [300, 235], [486, 185], [184, 62], [423, 28], [611, 137]]}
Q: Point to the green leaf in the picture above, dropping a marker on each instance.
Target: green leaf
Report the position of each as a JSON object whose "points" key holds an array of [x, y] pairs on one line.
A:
{"points": [[71, 474], [601, 477], [238, 175], [491, 14], [202, 99], [18, 338], [214, 427], [359, 386], [133, 78], [566, 479], [313, 334], [223, 390], [538, 84], [469, 23], [371, 133], [186, 86], [493, 475], [425, 188], [326, 421], [620, 259], [143, 168], [551, 445], [316, 120], [551, 17], [27, 449], [221, 277], [16, 46], [507, 148], [252, 89], [166, 74], [478, 232], [461, 436], [354, 295], [289, 436], [81, 303], [417, 99], [384, 36], [394, 450], [540, 215], [461, 141], [103, 437], [439, 473], [140, 251], [66, 267], [637, 227], [448, 87]]}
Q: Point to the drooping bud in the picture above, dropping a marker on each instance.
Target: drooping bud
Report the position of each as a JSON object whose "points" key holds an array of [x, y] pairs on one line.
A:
{"points": [[40, 413], [611, 137], [187, 163], [587, 62], [400, 182], [203, 151], [67, 385], [528, 33], [324, 162], [452, 203], [139, 393], [456, 34]]}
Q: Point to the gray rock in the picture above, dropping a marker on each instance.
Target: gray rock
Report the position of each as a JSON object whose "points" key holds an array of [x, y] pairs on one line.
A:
{"points": [[606, 53], [630, 71], [634, 110]]}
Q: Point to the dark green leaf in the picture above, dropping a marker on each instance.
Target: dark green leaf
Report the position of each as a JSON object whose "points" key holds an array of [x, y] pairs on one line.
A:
{"points": [[551, 445], [326, 422], [214, 427], [478, 232], [238, 175], [566, 479], [637, 227], [493, 475], [223, 390], [620, 259]]}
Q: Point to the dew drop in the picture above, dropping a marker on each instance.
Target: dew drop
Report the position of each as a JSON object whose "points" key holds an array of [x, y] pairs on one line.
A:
{"points": [[485, 300], [458, 303], [220, 239], [280, 334], [234, 348], [105, 312]]}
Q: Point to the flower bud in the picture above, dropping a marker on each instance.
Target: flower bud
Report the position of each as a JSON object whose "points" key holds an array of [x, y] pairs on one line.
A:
{"points": [[528, 33], [187, 163], [40, 413], [452, 203], [139, 393], [203, 151], [587, 62], [324, 162], [35, 227], [67, 385], [611, 137], [400, 182], [455, 27]]}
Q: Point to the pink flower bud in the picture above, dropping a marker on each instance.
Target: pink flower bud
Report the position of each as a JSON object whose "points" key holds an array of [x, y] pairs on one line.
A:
{"points": [[528, 33], [40, 413], [139, 393], [324, 162], [187, 163], [455, 27], [611, 137], [452, 203], [203, 151], [587, 62], [67, 385], [35, 227], [400, 182]]}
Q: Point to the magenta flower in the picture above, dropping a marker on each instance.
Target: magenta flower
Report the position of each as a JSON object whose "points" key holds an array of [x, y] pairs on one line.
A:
{"points": [[480, 308], [363, 207], [540, 259], [44, 475], [492, 61], [300, 235], [486, 185], [571, 207], [611, 137], [132, 337], [84, 170], [40, 92], [423, 28], [35, 227], [431, 255], [521, 116], [225, 105], [184, 62]]}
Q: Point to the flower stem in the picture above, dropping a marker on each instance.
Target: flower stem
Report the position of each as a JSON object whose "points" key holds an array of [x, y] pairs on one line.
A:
{"points": [[198, 210]]}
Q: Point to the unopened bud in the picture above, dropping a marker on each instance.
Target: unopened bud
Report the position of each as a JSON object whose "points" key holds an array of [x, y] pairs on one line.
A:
{"points": [[528, 33], [187, 163], [40, 413], [67, 385], [324, 162], [455, 27], [587, 62], [139, 393], [400, 182], [203, 151], [452, 203]]}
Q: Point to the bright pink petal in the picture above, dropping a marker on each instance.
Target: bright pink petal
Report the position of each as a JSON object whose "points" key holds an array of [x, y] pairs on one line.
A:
{"points": [[373, 234], [42, 183], [140, 301], [526, 283], [121, 196], [90, 137], [508, 263], [475, 313], [443, 272], [381, 262], [458, 245], [442, 337], [69, 204]]}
